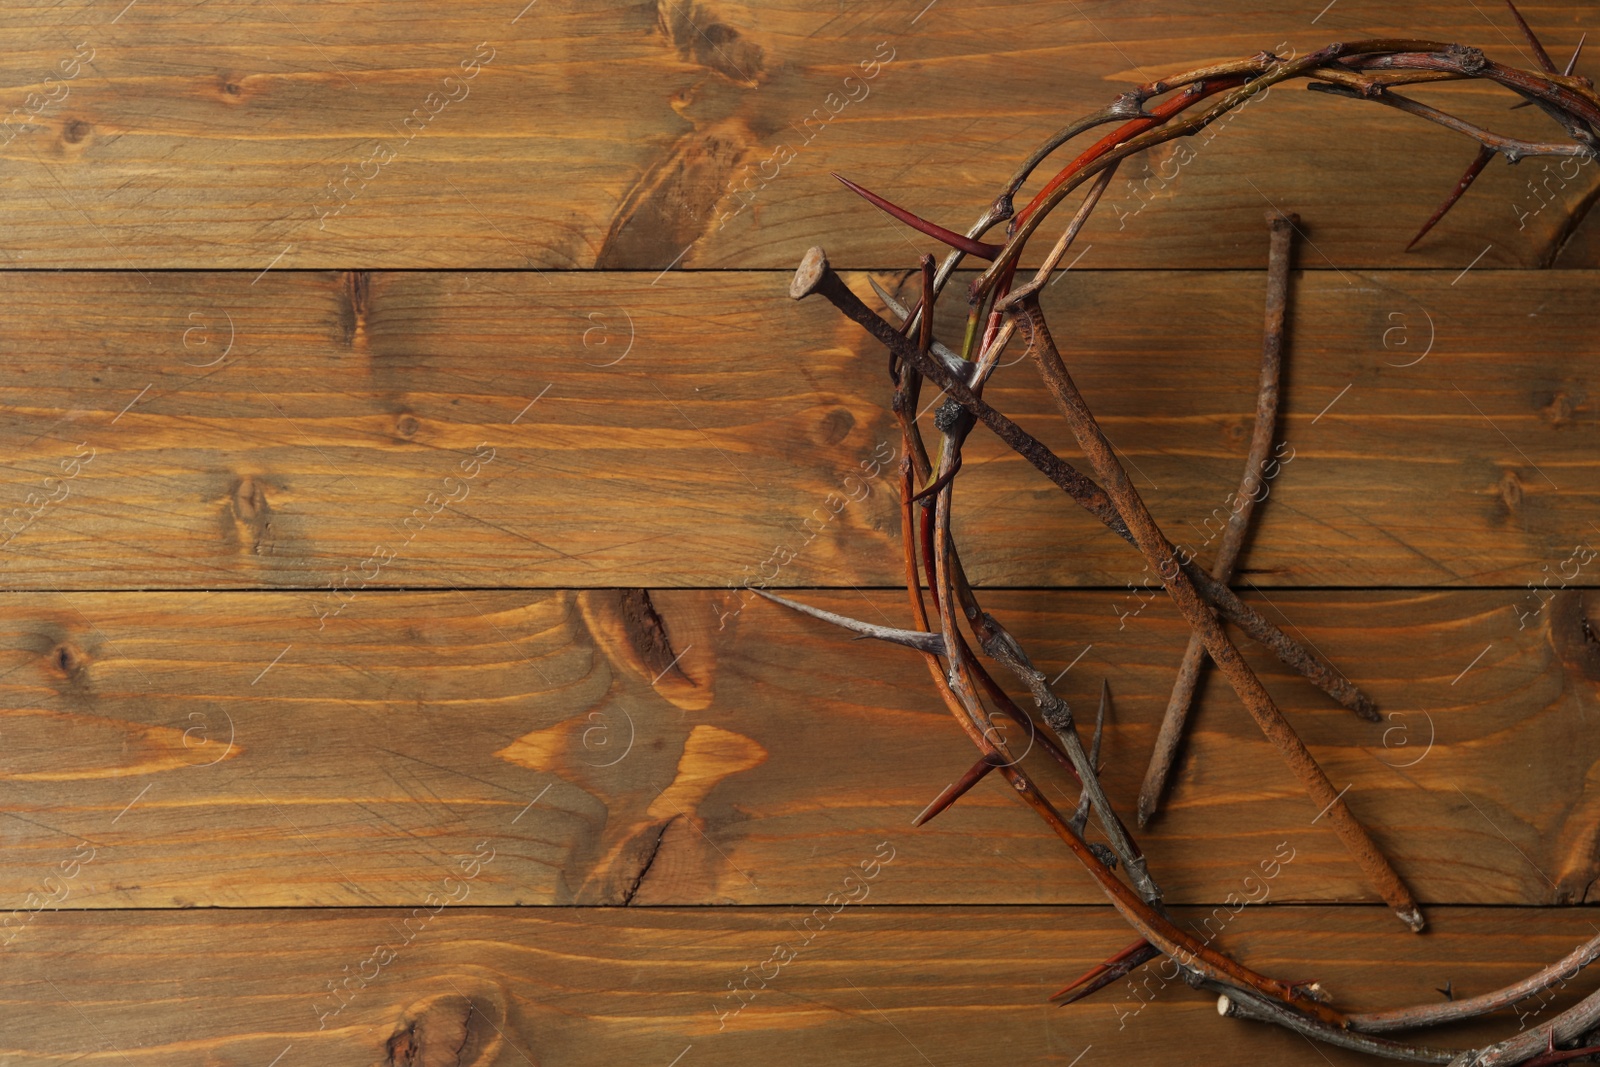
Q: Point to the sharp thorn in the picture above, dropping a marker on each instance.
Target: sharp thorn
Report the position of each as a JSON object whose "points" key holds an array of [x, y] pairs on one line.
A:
{"points": [[1540, 54], [1103, 974], [901, 312], [920, 640], [952, 362], [1471, 175], [959, 241], [938, 484], [1572, 64], [953, 792]]}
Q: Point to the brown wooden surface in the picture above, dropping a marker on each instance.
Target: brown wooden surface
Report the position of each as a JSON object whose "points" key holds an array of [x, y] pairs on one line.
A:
{"points": [[325, 535], [588, 986], [685, 459], [616, 135], [413, 725]]}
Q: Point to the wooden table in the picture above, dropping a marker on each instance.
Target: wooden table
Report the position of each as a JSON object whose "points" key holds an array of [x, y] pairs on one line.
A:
{"points": [[397, 397]]}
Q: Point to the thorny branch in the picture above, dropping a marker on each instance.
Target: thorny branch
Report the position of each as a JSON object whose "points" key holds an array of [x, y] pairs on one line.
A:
{"points": [[996, 313]]}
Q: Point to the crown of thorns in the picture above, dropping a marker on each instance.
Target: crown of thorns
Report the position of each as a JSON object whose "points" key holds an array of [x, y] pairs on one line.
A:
{"points": [[999, 310]]}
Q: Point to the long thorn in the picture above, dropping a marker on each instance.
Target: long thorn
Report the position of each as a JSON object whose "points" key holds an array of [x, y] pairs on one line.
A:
{"points": [[1103, 974], [960, 242], [1473, 170], [953, 792], [1545, 63]]}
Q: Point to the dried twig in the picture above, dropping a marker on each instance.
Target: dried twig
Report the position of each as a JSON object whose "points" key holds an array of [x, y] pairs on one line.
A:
{"points": [[1282, 229], [1161, 555], [1564, 969]]}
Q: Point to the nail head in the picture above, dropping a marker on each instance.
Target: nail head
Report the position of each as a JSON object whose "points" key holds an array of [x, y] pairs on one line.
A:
{"points": [[813, 267]]}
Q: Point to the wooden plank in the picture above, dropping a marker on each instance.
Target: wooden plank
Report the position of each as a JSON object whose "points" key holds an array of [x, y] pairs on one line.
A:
{"points": [[643, 136], [221, 749], [482, 987], [1438, 429]]}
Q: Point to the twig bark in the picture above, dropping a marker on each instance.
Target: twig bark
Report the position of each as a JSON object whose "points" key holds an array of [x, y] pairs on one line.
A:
{"points": [[1378, 1022], [1162, 556], [1238, 1005], [816, 276]]}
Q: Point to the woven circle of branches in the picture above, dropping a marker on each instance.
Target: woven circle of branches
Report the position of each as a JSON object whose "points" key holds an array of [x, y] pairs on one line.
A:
{"points": [[999, 311]]}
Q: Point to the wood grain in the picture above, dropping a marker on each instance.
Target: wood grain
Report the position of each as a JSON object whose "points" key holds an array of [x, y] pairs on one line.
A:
{"points": [[1439, 430], [552, 987], [220, 749], [644, 136]]}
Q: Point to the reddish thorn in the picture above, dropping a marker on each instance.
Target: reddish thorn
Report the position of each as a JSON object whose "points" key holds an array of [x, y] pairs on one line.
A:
{"points": [[953, 792], [1538, 49], [940, 482], [1093, 972], [1473, 170], [959, 241], [1103, 974]]}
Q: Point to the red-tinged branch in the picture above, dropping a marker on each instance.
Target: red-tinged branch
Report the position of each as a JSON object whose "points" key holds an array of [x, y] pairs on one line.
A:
{"points": [[1568, 96], [1192, 95]]}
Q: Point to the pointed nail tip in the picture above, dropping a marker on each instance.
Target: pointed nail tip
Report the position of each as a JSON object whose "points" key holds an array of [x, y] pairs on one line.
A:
{"points": [[1413, 919]]}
